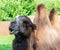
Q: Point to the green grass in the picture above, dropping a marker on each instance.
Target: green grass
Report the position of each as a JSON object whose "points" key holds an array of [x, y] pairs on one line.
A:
{"points": [[6, 42], [10, 8]]}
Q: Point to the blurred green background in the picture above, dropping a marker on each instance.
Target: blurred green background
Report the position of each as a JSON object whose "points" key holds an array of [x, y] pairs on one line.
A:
{"points": [[6, 42], [10, 8]]}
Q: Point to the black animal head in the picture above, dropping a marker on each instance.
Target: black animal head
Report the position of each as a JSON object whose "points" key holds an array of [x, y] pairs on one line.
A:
{"points": [[22, 25]]}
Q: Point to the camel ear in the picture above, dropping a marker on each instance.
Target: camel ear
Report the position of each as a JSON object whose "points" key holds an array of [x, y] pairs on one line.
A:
{"points": [[53, 16], [33, 27]]}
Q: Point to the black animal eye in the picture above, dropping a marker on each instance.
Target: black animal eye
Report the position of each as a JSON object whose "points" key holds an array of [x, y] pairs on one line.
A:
{"points": [[26, 22], [24, 25]]}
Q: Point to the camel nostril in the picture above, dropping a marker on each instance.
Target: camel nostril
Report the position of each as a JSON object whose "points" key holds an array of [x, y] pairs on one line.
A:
{"points": [[10, 29]]}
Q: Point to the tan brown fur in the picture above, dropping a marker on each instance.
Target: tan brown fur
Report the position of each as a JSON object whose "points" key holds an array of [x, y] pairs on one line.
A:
{"points": [[53, 16], [45, 35], [31, 42]]}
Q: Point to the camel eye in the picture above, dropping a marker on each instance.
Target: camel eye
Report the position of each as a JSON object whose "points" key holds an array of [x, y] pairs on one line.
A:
{"points": [[25, 23]]}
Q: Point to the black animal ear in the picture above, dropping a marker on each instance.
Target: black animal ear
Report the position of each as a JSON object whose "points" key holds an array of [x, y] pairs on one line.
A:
{"points": [[33, 27], [30, 24]]}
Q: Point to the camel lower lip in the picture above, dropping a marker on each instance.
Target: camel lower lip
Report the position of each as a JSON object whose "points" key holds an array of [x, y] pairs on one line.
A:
{"points": [[14, 32]]}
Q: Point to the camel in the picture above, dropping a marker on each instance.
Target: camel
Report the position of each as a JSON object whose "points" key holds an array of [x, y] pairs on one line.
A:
{"points": [[45, 36]]}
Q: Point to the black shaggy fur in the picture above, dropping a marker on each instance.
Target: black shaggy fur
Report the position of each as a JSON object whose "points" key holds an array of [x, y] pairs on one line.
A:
{"points": [[21, 27]]}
